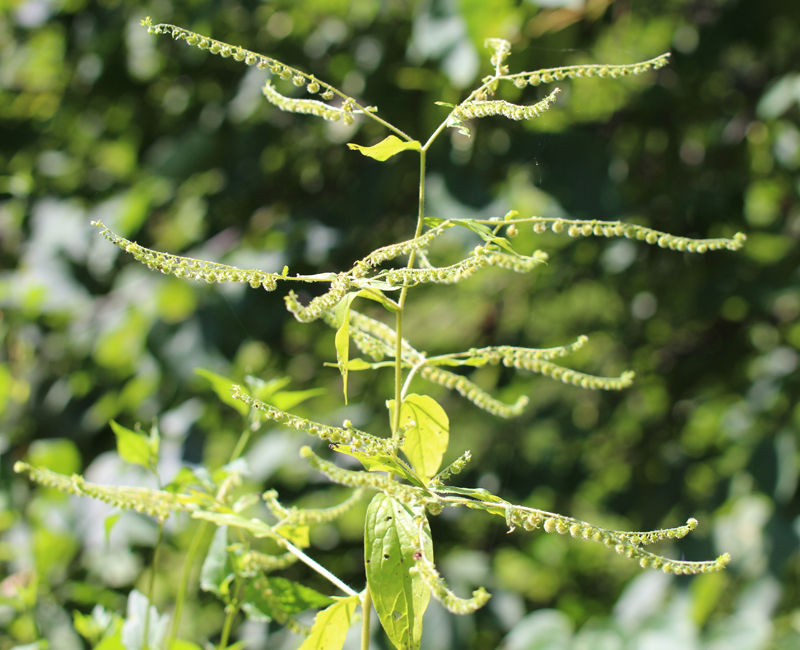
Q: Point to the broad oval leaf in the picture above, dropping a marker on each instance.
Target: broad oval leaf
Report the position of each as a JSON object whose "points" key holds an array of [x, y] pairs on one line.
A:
{"points": [[390, 544], [386, 148], [427, 441], [132, 447], [331, 625]]}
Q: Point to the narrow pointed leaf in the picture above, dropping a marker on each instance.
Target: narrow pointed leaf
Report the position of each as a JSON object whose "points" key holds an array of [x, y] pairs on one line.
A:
{"points": [[427, 441], [217, 571], [342, 340], [331, 625], [386, 148], [400, 598]]}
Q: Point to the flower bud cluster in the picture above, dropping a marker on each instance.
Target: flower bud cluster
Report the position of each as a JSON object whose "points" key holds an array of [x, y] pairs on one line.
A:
{"points": [[360, 440], [190, 268], [583, 71], [475, 109]]}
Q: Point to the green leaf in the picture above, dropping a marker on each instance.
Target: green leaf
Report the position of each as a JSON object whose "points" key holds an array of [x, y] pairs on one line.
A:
{"points": [[297, 535], [179, 644], [400, 599], [222, 387], [427, 441], [278, 598], [113, 642], [486, 234], [110, 522], [381, 463], [386, 148], [255, 526], [379, 296], [57, 454], [331, 625], [286, 400], [342, 314], [217, 571], [132, 447]]}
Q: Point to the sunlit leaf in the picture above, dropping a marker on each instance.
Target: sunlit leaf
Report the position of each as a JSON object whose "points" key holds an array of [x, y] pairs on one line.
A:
{"points": [[380, 463], [342, 315], [132, 447], [400, 598], [427, 440], [386, 148], [331, 625]]}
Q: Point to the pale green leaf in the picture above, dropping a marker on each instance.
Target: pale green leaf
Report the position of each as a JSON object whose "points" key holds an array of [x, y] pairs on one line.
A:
{"points": [[391, 534], [286, 400], [331, 625], [386, 148], [180, 644], [376, 462], [132, 447], [217, 571], [297, 535], [113, 642], [426, 442], [222, 387], [110, 522], [256, 527], [378, 296], [342, 314]]}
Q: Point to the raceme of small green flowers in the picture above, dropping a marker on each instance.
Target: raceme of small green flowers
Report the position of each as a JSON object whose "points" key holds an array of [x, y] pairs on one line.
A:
{"points": [[187, 267], [302, 516], [321, 304], [476, 109], [522, 79], [310, 106], [346, 436], [439, 590], [453, 468], [155, 503], [581, 228], [252, 561], [496, 353]]}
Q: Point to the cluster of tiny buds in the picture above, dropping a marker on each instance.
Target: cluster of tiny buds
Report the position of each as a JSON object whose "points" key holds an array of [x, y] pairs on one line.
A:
{"points": [[642, 233]]}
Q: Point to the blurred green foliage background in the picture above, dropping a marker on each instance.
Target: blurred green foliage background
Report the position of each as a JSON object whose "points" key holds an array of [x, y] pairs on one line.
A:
{"points": [[177, 149]]}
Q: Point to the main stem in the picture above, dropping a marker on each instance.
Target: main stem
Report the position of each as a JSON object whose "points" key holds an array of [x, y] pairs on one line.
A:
{"points": [[398, 356]]}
